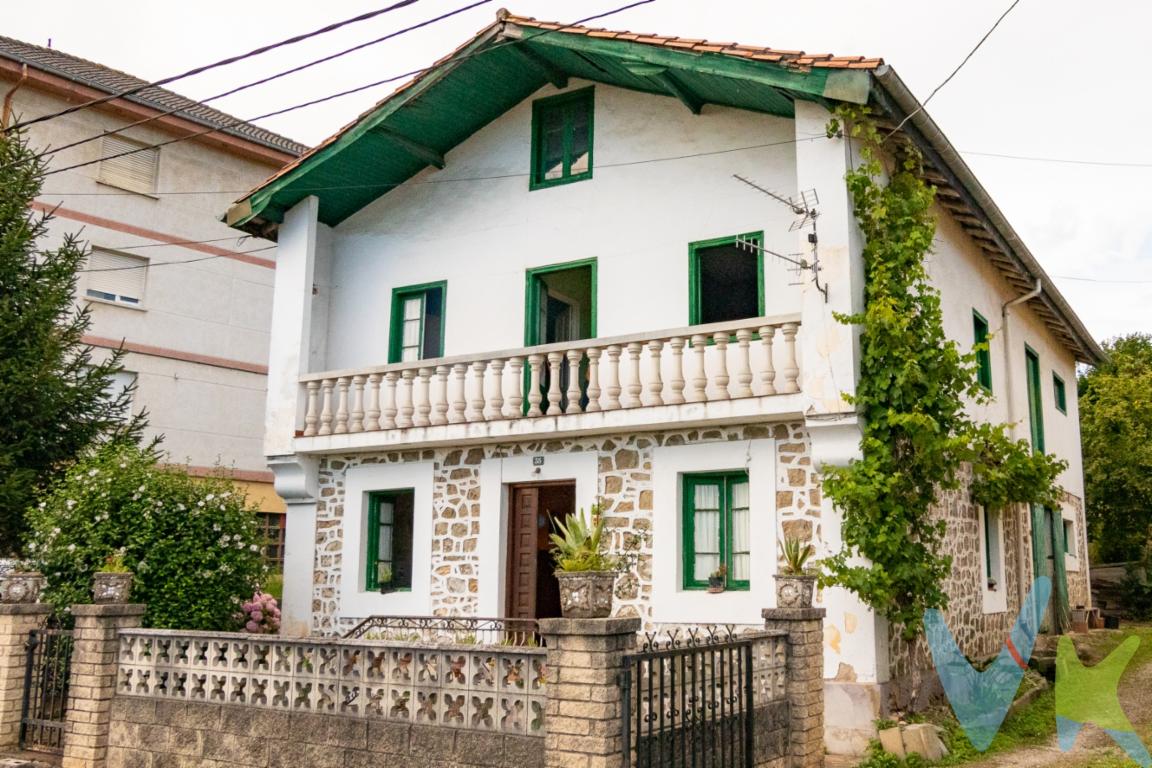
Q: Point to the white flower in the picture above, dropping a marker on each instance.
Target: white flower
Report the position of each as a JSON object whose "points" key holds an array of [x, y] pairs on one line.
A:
{"points": [[209, 497], [93, 472], [71, 547], [70, 503], [254, 548], [55, 531]]}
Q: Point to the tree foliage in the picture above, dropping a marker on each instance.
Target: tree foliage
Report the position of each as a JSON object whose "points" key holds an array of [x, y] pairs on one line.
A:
{"points": [[1116, 431], [193, 543], [53, 403], [914, 383]]}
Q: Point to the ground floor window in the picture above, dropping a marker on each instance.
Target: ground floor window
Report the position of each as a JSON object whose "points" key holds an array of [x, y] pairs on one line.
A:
{"points": [[716, 529], [389, 550], [272, 527]]}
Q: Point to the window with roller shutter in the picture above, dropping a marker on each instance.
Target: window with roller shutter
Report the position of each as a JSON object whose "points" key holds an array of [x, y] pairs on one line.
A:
{"points": [[128, 164], [116, 277]]}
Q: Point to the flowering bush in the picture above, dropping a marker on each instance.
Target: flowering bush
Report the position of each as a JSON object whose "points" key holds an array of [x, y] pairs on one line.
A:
{"points": [[261, 614], [193, 543]]}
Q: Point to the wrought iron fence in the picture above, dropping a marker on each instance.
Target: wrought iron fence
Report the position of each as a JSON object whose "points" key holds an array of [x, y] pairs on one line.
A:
{"points": [[46, 671], [692, 697], [456, 630]]}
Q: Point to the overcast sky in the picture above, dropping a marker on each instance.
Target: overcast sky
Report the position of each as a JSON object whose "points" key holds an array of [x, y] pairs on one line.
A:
{"points": [[1058, 79]]}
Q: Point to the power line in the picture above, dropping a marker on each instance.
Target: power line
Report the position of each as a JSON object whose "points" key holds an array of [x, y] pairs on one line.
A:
{"points": [[181, 242], [348, 92], [1065, 160], [214, 65], [1096, 280], [152, 265], [275, 76], [956, 71]]}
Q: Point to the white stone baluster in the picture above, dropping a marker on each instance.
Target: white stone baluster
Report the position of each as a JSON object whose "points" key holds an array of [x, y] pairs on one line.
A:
{"points": [[768, 374], [573, 393], [311, 417], [676, 385], [372, 412], [456, 414], [356, 423], [656, 383], [612, 388], [743, 364], [554, 359], [633, 387], [423, 400], [515, 400], [341, 406], [700, 380], [440, 396], [326, 408], [534, 397], [495, 408], [790, 370], [404, 400], [475, 410], [593, 379], [388, 412], [721, 376]]}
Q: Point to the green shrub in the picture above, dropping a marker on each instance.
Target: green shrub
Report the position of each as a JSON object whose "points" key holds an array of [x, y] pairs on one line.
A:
{"points": [[192, 542]]}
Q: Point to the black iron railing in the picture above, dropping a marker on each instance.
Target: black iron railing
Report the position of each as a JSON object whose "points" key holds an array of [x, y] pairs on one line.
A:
{"points": [[49, 660], [688, 701], [459, 630]]}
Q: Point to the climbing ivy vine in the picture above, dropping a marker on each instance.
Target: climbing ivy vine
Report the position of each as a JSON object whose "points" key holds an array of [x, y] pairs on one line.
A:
{"points": [[913, 388]]}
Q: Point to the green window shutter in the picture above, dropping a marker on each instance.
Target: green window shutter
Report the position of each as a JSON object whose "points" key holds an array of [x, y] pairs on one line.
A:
{"points": [[1060, 393], [983, 356], [716, 529], [562, 139], [416, 328], [1035, 401]]}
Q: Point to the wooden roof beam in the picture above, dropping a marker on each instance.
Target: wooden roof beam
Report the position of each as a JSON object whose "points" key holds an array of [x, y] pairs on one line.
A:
{"points": [[682, 92], [542, 65], [416, 149]]}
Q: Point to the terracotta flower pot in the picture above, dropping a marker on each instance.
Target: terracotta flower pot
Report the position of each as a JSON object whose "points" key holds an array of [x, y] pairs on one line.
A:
{"points": [[586, 594], [794, 591], [21, 587], [715, 585], [111, 587]]}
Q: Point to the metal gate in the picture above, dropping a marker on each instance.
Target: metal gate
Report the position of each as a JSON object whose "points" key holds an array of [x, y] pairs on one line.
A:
{"points": [[688, 702], [46, 673]]}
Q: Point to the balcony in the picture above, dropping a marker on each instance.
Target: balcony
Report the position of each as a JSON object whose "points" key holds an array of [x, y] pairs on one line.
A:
{"points": [[723, 373]]}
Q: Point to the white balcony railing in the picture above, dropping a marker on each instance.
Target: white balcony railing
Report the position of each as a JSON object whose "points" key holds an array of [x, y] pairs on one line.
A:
{"points": [[699, 364]]}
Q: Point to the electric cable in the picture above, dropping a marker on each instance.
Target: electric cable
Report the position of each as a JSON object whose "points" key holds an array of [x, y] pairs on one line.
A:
{"points": [[152, 265]]}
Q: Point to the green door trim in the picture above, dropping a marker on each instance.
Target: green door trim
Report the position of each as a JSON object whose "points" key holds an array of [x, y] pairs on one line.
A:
{"points": [[531, 308], [694, 270]]}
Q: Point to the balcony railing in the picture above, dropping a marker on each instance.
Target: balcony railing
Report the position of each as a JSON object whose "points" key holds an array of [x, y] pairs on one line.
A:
{"points": [[699, 364]]}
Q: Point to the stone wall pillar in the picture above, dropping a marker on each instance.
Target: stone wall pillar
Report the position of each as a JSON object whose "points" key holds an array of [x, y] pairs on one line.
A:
{"points": [[583, 713], [92, 683], [16, 621], [805, 628]]}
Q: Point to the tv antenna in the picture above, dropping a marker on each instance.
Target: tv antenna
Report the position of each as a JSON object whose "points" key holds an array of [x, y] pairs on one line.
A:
{"points": [[806, 214]]}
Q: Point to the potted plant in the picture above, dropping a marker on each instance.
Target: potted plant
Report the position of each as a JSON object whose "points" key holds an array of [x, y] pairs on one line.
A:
{"points": [[585, 571], [384, 578], [716, 579], [795, 584], [20, 584], [112, 582]]}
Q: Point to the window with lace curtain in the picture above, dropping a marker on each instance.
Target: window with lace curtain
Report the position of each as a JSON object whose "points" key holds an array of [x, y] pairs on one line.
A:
{"points": [[716, 522]]}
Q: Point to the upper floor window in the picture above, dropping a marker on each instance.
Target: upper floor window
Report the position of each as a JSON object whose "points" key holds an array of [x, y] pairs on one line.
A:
{"points": [[116, 277], [118, 384], [1060, 393], [562, 139], [128, 164], [726, 281], [417, 331], [717, 523], [389, 556], [983, 356]]}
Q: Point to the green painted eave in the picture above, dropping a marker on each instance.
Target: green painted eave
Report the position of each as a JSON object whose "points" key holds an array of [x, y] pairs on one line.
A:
{"points": [[498, 69]]}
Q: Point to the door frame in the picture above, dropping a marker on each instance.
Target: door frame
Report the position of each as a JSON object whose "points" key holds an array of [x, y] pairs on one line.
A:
{"points": [[510, 528], [531, 297]]}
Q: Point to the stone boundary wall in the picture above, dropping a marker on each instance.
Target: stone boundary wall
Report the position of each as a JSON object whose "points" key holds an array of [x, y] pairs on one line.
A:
{"points": [[146, 733]]}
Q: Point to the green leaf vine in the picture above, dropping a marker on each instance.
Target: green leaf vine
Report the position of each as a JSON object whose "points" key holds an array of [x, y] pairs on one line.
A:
{"points": [[913, 388]]}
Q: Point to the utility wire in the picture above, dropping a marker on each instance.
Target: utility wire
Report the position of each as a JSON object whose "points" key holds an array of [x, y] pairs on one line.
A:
{"points": [[1065, 160], [956, 71], [152, 265], [348, 92], [1095, 280], [270, 78], [214, 65]]}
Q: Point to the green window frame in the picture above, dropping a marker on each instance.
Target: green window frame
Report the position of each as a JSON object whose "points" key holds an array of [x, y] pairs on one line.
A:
{"points": [[428, 342], [695, 282], [1060, 393], [1035, 398], [725, 528], [983, 356], [389, 540], [558, 123]]}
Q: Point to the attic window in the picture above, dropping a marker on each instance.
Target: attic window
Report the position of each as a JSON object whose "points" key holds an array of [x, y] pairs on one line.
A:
{"points": [[128, 164], [562, 139]]}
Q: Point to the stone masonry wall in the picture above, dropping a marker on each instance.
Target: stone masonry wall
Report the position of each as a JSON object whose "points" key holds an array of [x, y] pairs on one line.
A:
{"points": [[146, 733], [625, 479], [1079, 591]]}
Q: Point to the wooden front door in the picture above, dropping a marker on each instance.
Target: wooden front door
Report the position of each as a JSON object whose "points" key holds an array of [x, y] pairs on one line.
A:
{"points": [[533, 592]]}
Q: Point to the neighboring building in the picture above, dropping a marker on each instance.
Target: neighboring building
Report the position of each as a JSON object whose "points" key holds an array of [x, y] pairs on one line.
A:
{"points": [[548, 221], [196, 333]]}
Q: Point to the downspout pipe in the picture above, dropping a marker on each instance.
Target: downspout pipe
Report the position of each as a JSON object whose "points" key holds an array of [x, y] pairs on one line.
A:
{"points": [[1005, 314]]}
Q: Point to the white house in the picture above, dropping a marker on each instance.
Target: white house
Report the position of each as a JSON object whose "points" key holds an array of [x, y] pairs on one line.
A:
{"points": [[530, 280]]}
